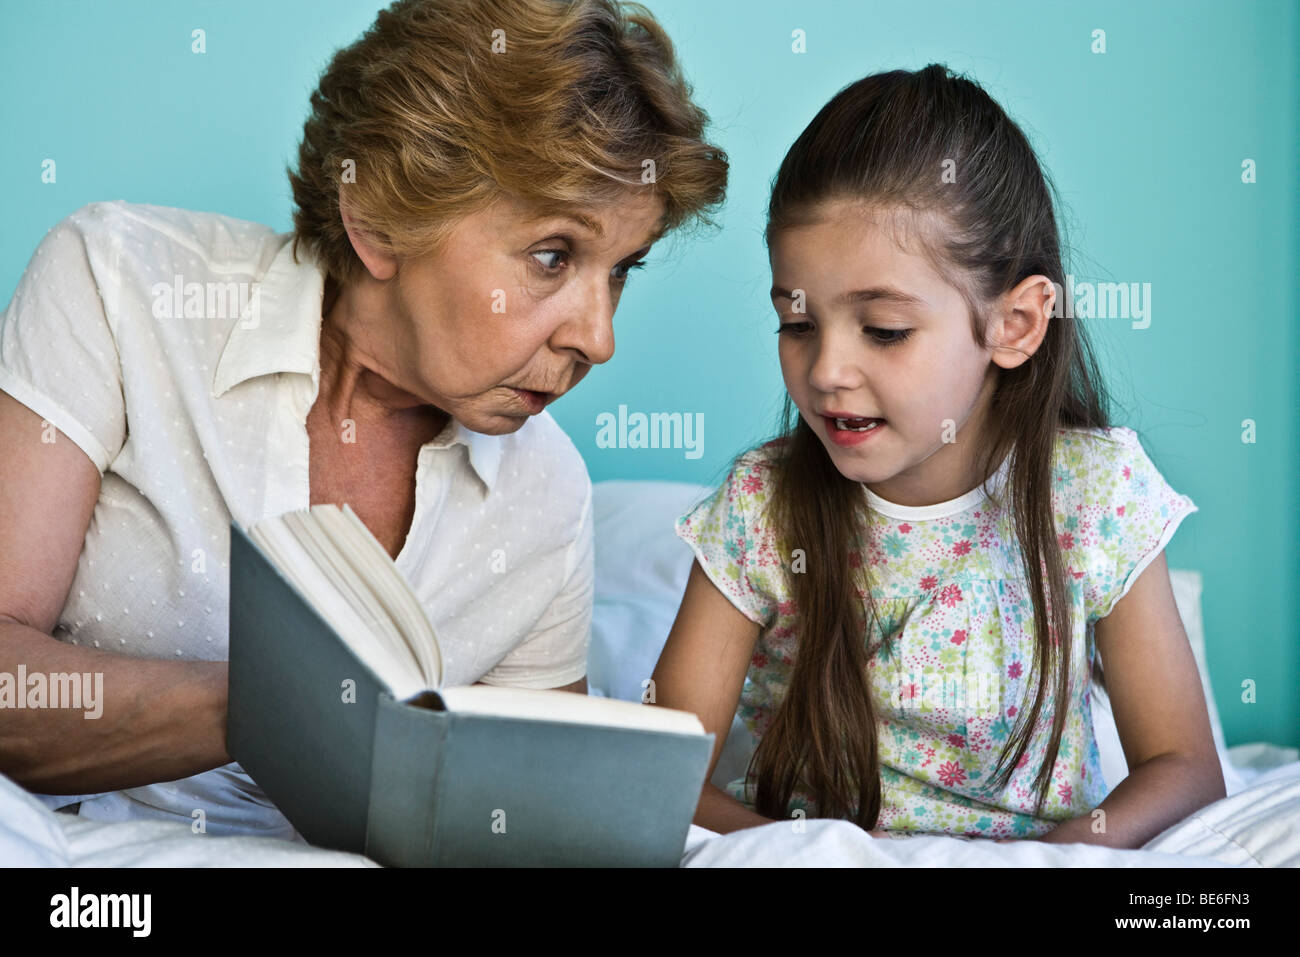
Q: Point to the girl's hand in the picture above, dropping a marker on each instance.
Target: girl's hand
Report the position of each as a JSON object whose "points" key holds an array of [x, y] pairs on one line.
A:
{"points": [[878, 833]]}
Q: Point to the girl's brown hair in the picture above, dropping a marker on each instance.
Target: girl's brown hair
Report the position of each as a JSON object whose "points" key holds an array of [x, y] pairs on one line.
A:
{"points": [[444, 105], [884, 141]]}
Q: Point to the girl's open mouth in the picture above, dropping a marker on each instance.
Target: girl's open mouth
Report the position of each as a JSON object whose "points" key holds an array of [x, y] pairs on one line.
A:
{"points": [[849, 432]]}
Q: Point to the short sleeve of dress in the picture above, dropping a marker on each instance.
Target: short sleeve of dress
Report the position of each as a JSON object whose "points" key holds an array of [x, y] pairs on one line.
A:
{"points": [[58, 355], [1134, 514], [728, 538]]}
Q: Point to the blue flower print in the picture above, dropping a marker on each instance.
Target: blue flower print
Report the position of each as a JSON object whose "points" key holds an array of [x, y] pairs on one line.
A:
{"points": [[895, 544]]}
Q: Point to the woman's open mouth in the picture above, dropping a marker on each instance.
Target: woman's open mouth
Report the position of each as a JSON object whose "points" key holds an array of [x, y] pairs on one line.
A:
{"points": [[533, 401]]}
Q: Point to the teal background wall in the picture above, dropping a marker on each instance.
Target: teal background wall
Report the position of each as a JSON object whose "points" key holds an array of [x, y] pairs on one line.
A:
{"points": [[1145, 143]]}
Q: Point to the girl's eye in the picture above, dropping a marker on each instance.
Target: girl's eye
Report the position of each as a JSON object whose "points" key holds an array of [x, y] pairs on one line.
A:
{"points": [[899, 335], [882, 337]]}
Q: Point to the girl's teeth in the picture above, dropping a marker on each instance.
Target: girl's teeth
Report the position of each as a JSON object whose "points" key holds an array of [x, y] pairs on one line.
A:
{"points": [[843, 425]]}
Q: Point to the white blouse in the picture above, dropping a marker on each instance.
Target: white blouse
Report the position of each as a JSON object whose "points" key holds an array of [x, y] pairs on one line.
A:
{"points": [[181, 352]]}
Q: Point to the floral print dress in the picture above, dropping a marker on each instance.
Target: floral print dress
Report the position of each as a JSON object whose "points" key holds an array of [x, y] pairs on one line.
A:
{"points": [[949, 587]]}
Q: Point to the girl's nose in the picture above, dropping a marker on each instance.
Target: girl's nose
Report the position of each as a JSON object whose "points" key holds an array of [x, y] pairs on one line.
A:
{"points": [[835, 368]]}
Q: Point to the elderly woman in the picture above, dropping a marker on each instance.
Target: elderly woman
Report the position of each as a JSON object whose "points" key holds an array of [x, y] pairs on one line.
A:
{"points": [[474, 183]]}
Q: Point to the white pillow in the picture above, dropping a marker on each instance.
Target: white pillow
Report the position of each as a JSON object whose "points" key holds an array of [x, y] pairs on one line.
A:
{"points": [[1186, 586], [641, 572]]}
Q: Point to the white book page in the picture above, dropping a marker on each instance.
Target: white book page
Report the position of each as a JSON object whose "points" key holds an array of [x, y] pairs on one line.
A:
{"points": [[333, 562], [292, 558], [550, 705], [377, 568]]}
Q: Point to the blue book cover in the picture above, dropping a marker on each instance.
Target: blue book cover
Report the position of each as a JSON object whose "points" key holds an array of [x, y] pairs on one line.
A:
{"points": [[445, 777]]}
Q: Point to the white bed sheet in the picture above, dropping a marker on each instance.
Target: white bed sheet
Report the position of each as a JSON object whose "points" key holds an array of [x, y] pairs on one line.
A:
{"points": [[1258, 826], [32, 835]]}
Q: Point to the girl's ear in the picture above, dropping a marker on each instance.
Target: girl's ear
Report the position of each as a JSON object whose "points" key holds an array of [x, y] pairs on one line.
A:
{"points": [[1020, 321]]}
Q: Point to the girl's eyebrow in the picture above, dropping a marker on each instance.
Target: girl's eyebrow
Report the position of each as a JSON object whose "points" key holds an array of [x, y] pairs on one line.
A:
{"points": [[862, 295], [883, 293]]}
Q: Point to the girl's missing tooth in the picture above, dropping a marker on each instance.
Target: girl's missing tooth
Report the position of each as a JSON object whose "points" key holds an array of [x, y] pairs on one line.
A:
{"points": [[907, 591]]}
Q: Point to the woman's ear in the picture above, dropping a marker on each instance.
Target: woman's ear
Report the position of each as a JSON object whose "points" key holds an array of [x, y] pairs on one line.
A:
{"points": [[1021, 321], [380, 263]]}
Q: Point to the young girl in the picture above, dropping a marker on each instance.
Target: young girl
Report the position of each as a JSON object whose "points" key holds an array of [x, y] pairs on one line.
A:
{"points": [[907, 591]]}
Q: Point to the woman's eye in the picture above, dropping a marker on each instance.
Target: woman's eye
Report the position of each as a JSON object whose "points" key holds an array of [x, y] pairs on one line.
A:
{"points": [[793, 328], [626, 269], [550, 252]]}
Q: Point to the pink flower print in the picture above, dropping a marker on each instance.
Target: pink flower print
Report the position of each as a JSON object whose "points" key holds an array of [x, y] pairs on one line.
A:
{"points": [[929, 583], [1126, 471], [927, 751], [950, 595], [1015, 670], [1066, 541], [1011, 711], [909, 691], [1024, 759], [751, 483], [961, 548], [1119, 510], [905, 528], [760, 660], [855, 560], [959, 636], [956, 740], [951, 773], [1065, 791], [785, 608]]}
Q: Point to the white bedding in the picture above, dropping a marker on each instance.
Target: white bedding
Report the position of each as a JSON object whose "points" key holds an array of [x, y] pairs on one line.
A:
{"points": [[1257, 826], [32, 835]]}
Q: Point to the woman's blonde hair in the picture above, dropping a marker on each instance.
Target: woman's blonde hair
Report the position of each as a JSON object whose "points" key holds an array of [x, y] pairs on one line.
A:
{"points": [[443, 106]]}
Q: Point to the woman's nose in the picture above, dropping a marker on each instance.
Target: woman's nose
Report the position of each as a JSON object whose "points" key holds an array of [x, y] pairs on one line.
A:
{"points": [[590, 328]]}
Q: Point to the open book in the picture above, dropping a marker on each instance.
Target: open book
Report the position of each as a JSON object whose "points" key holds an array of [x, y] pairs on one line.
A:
{"points": [[337, 710]]}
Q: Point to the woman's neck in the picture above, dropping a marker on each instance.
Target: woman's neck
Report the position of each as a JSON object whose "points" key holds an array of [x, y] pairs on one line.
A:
{"points": [[352, 380]]}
